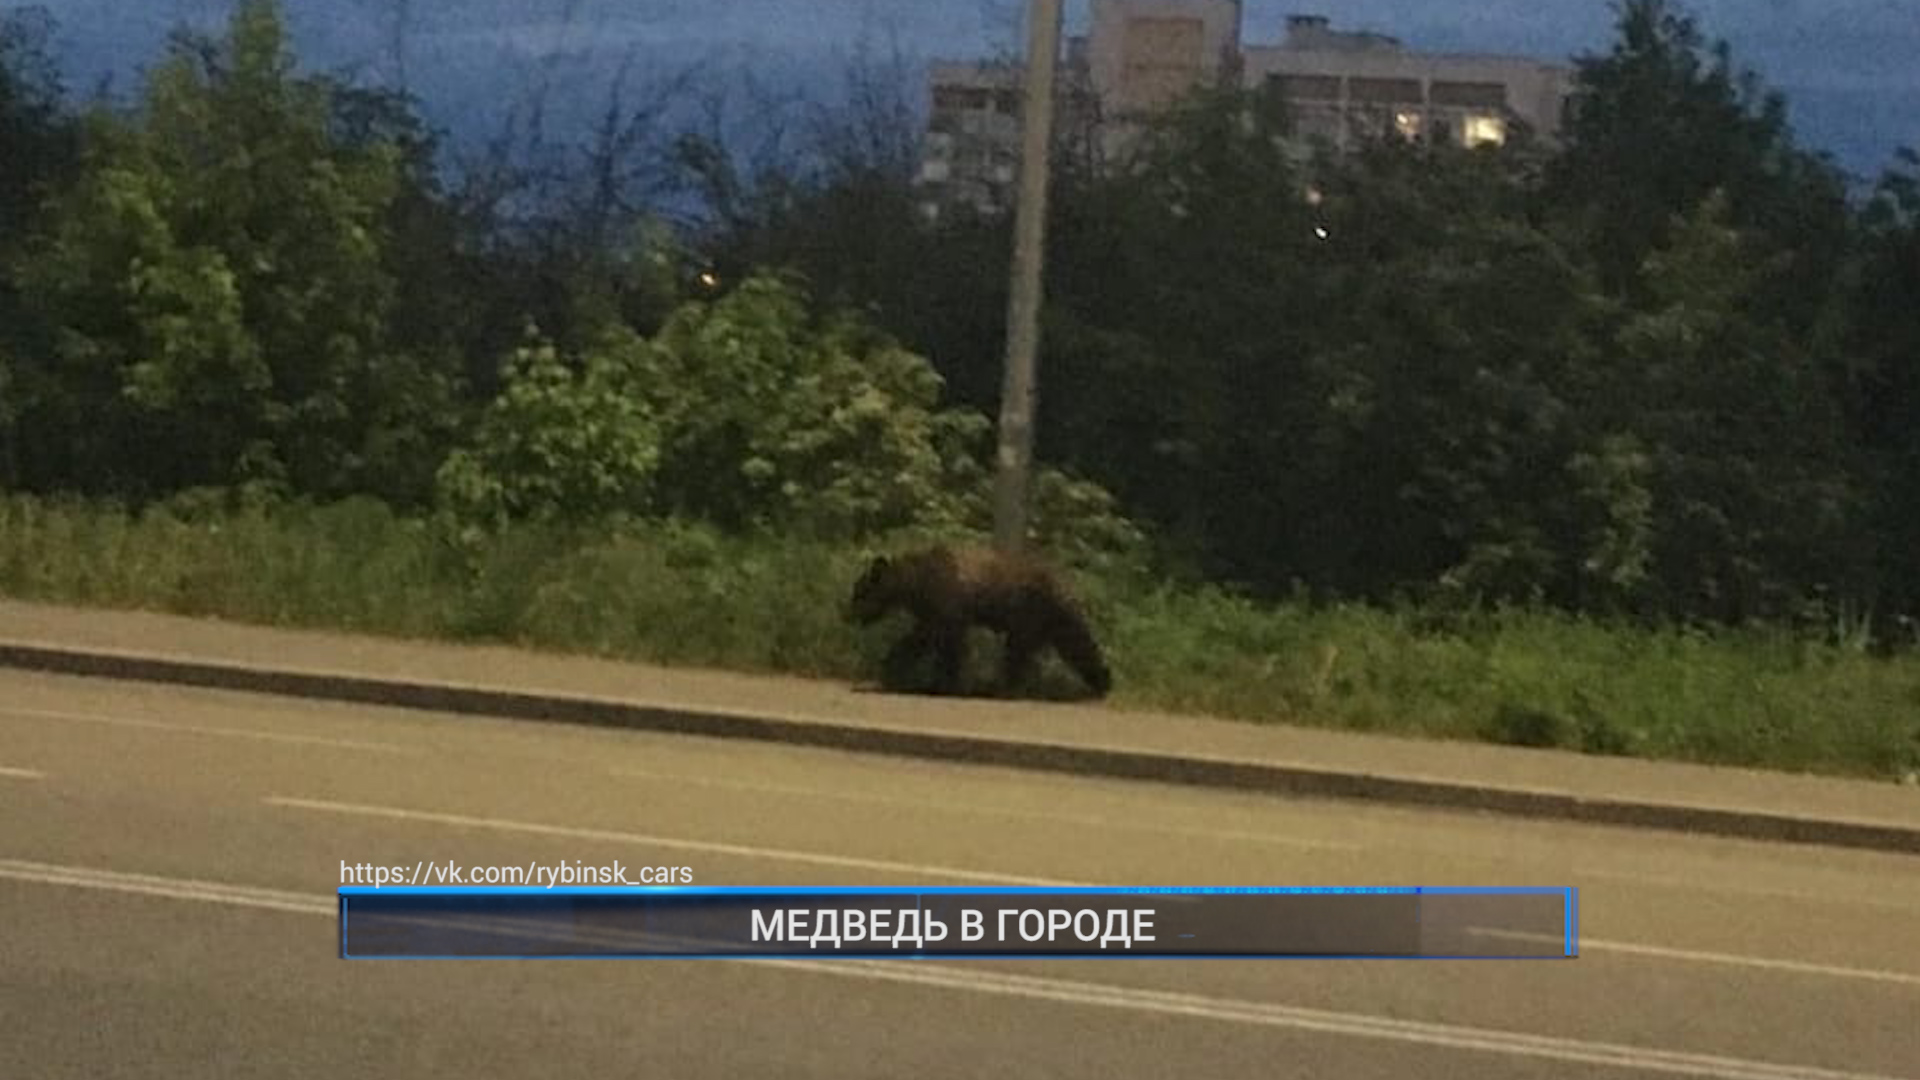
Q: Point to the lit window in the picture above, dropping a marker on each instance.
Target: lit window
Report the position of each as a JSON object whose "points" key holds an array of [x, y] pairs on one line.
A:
{"points": [[1481, 130], [1407, 124]]}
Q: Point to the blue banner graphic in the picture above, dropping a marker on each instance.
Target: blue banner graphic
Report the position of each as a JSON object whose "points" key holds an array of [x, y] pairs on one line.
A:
{"points": [[973, 923]]}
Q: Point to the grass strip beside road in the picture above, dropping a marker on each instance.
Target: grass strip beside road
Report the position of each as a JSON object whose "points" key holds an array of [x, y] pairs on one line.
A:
{"points": [[679, 595]]}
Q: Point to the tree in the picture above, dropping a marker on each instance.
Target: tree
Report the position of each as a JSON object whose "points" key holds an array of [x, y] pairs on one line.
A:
{"points": [[753, 411], [1754, 507], [37, 157], [829, 192], [1447, 382], [1183, 291], [219, 285], [36, 136], [1882, 328], [559, 443], [776, 416], [747, 412], [1347, 373], [1663, 121]]}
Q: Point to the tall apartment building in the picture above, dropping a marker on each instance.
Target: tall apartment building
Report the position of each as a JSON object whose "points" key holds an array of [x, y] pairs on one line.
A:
{"points": [[971, 150], [1141, 55], [1144, 54], [972, 146]]}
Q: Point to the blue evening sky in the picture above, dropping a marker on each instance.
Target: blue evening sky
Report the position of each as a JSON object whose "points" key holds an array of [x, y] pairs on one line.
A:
{"points": [[1847, 66]]}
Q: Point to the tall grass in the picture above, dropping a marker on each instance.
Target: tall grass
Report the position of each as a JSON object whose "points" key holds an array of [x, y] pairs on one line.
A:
{"points": [[677, 594]]}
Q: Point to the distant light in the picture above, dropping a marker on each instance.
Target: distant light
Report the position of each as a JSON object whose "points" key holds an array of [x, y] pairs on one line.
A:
{"points": [[1319, 232], [707, 279]]}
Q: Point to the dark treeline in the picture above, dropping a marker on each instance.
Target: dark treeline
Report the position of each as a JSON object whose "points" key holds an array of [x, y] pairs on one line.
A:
{"points": [[1668, 370]]}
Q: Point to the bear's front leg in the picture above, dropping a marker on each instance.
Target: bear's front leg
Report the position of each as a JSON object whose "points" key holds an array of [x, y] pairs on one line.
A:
{"points": [[950, 645], [897, 668]]}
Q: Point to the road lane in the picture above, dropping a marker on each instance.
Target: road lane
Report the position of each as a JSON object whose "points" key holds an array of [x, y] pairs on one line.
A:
{"points": [[1763, 953], [529, 750], [1095, 823], [959, 821], [1500, 1046], [213, 1007]]}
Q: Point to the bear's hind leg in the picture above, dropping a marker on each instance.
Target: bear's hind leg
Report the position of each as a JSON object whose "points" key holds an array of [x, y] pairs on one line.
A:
{"points": [[1017, 664], [898, 668], [1073, 640], [951, 652]]}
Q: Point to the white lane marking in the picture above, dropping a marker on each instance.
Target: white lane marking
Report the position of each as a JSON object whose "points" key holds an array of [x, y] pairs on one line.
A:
{"points": [[1073, 992], [1798, 967], [1234, 835], [201, 729], [884, 866], [1237, 835], [1698, 885], [1452, 1036], [175, 888], [21, 774], [845, 862]]}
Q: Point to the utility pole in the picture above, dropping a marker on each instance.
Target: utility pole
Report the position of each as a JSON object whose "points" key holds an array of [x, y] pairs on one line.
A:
{"points": [[1029, 251]]}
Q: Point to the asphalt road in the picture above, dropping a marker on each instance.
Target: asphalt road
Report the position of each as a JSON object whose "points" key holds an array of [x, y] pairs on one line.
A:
{"points": [[168, 860]]}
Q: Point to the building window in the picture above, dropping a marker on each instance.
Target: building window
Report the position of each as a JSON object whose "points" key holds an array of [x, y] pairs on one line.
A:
{"points": [[1307, 87], [1488, 95], [1385, 91], [1484, 130]]}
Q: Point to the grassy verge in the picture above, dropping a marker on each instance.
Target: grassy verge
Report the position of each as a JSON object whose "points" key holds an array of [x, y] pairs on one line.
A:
{"points": [[686, 596]]}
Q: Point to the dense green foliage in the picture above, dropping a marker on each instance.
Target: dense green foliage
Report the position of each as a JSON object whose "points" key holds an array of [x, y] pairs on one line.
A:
{"points": [[1664, 370], [1663, 374]]}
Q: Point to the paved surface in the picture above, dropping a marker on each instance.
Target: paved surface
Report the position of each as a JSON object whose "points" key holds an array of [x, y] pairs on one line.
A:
{"points": [[167, 859], [1545, 783]]}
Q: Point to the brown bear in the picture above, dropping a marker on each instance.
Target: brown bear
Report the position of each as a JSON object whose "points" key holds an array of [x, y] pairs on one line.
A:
{"points": [[948, 590]]}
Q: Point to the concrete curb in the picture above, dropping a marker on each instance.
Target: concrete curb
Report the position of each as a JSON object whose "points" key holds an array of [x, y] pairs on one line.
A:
{"points": [[1255, 776]]}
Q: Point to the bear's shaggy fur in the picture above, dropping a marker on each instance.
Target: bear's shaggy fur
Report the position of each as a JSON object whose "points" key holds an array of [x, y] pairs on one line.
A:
{"points": [[948, 590]]}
